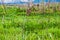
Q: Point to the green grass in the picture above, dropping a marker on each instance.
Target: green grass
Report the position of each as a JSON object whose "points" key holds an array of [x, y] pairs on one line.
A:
{"points": [[33, 27]]}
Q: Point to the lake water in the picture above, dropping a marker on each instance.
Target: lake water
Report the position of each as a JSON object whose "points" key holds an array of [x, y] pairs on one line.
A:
{"points": [[35, 1]]}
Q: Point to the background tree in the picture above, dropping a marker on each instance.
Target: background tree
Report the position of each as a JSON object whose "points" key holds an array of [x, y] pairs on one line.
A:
{"points": [[48, 4], [4, 11]]}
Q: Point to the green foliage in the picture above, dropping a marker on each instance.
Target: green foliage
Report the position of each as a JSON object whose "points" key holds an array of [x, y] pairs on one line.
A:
{"points": [[33, 27]]}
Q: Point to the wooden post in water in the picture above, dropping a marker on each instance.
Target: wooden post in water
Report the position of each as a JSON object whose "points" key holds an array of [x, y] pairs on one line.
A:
{"points": [[38, 4], [54, 5], [29, 7]]}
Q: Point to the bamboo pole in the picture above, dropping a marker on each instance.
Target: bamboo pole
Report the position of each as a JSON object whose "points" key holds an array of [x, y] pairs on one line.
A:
{"points": [[43, 6]]}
